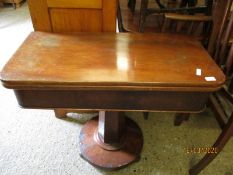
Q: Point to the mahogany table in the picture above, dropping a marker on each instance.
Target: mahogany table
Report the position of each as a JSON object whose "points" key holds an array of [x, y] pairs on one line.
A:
{"points": [[112, 73]]}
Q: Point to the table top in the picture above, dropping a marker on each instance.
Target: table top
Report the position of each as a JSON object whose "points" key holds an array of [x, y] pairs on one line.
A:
{"points": [[112, 61]]}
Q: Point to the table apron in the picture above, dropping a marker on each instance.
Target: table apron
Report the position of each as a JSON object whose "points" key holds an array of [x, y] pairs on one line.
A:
{"points": [[113, 100]]}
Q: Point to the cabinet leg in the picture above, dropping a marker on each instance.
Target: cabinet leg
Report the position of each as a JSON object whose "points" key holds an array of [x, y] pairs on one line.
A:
{"points": [[60, 113]]}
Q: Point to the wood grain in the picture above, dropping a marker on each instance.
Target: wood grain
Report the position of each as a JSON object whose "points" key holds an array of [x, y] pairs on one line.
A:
{"points": [[69, 16], [73, 15], [183, 17], [111, 61], [76, 20], [109, 15], [113, 100], [40, 15], [96, 4]]}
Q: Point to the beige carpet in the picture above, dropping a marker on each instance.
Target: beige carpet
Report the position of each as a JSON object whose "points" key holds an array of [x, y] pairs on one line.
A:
{"points": [[34, 142]]}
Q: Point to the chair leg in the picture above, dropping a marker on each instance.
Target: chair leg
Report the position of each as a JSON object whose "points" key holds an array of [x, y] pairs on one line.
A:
{"points": [[183, 3], [161, 6], [131, 5], [230, 88], [119, 19], [218, 111], [146, 115], [143, 14], [165, 25], [219, 144], [180, 118]]}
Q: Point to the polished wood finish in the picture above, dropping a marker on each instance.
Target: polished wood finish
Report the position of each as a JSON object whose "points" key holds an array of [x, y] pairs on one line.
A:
{"points": [[112, 72], [117, 61], [73, 15], [109, 15], [111, 130], [60, 113], [225, 121], [117, 141], [40, 15], [184, 17], [75, 20], [193, 24], [110, 99], [223, 29], [96, 4]]}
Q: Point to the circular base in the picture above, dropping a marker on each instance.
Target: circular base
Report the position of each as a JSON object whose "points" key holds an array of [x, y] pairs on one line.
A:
{"points": [[114, 159], [109, 147]]}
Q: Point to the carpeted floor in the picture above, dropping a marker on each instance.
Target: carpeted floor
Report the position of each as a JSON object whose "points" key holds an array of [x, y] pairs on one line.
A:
{"points": [[34, 142]]}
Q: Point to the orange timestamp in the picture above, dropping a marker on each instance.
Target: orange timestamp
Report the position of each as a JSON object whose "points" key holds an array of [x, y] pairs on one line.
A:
{"points": [[200, 150]]}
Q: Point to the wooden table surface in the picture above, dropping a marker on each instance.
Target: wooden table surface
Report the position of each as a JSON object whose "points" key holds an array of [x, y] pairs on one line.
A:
{"points": [[112, 61], [111, 73]]}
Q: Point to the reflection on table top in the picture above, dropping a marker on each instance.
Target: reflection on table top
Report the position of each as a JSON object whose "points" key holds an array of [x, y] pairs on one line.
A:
{"points": [[121, 61]]}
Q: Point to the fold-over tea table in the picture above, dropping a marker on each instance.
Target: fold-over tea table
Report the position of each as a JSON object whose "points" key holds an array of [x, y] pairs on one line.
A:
{"points": [[112, 73]]}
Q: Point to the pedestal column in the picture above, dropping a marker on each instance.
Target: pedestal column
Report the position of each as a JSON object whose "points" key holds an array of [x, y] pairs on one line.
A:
{"points": [[111, 141]]}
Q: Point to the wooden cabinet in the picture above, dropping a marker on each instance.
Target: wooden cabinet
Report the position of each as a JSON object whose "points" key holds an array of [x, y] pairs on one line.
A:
{"points": [[71, 16]]}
